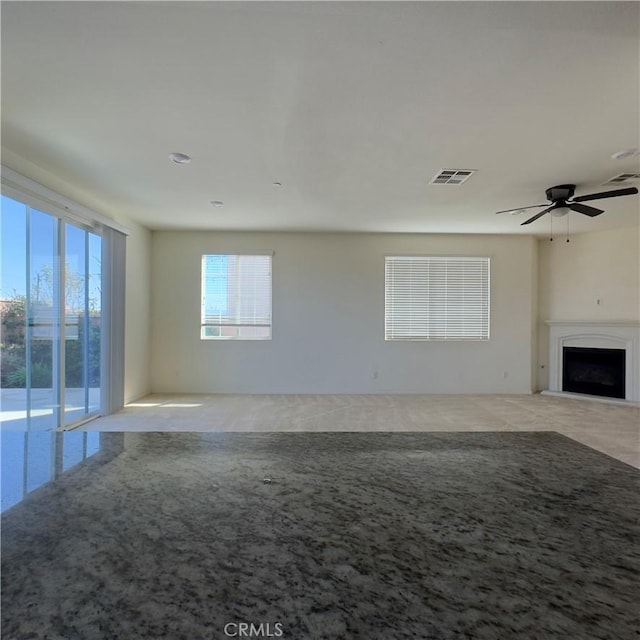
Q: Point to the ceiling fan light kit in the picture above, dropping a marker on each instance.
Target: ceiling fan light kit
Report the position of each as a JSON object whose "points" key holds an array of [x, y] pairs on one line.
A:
{"points": [[563, 201]]}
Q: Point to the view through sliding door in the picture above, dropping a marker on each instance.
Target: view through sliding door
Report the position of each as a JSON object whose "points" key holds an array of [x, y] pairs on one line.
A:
{"points": [[50, 304], [82, 306]]}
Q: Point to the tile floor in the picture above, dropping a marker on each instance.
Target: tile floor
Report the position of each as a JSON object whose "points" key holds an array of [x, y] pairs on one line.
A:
{"points": [[376, 536], [609, 428]]}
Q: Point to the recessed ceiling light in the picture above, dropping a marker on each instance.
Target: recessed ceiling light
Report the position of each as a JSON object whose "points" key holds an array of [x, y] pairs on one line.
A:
{"points": [[625, 153], [180, 158], [216, 203]]}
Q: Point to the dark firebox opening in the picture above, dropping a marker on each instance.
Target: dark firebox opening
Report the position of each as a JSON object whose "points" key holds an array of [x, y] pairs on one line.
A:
{"points": [[596, 372]]}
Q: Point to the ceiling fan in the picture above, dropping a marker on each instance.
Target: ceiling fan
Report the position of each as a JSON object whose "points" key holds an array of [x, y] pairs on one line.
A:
{"points": [[562, 201]]}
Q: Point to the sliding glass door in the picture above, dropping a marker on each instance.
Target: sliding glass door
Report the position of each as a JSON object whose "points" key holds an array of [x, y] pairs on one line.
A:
{"points": [[50, 304]]}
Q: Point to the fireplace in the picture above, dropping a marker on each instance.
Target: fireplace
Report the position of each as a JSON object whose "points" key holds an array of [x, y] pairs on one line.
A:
{"points": [[603, 359], [595, 372]]}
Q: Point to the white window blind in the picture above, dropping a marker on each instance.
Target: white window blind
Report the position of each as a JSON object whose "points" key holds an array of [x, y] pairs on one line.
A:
{"points": [[436, 298], [236, 297]]}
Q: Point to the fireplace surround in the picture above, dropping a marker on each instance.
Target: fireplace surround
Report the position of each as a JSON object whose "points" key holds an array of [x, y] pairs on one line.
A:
{"points": [[624, 336]]}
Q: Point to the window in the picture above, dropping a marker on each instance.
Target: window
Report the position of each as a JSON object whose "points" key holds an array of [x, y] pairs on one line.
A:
{"points": [[428, 298], [236, 297]]}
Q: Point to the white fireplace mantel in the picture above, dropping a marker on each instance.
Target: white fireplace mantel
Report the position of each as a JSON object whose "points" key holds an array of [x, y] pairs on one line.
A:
{"points": [[603, 335]]}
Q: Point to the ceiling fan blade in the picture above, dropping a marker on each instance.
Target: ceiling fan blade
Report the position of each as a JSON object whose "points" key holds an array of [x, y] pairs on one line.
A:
{"points": [[538, 215], [606, 194], [533, 206], [583, 208]]}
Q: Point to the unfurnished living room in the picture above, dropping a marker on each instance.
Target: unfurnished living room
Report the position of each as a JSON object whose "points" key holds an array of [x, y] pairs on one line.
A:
{"points": [[320, 320]]}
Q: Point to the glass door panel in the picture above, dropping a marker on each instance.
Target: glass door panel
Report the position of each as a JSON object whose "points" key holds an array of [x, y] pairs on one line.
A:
{"points": [[13, 300], [94, 315], [75, 370], [82, 291], [43, 380]]}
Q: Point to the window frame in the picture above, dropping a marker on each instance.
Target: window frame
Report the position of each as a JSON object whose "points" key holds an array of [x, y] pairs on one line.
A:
{"points": [[393, 333], [237, 315]]}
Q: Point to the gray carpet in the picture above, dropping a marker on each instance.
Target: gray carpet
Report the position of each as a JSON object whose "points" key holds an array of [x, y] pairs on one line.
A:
{"points": [[359, 535]]}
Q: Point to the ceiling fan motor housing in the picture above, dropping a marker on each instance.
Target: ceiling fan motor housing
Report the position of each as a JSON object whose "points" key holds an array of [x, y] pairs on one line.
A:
{"points": [[560, 193]]}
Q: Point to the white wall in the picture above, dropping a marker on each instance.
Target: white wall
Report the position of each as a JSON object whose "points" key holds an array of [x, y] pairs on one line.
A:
{"points": [[599, 266], [328, 318], [137, 381]]}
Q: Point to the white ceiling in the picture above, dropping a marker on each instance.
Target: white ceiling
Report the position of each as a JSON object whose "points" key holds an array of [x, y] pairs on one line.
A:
{"points": [[352, 106]]}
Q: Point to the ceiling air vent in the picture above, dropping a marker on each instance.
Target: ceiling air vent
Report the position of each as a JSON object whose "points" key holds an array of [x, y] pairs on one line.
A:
{"points": [[623, 177], [451, 176]]}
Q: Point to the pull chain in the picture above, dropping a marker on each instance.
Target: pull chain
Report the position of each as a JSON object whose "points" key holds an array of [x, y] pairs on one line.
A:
{"points": [[567, 227]]}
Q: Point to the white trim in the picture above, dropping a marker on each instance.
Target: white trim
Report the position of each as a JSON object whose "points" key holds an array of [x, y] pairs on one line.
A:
{"points": [[38, 196], [584, 323]]}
